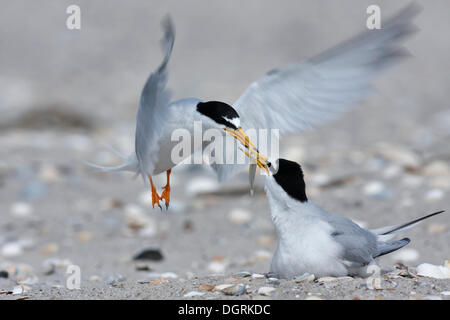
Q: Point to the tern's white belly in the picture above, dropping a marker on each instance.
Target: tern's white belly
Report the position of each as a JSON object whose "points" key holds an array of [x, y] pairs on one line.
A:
{"points": [[307, 248]]}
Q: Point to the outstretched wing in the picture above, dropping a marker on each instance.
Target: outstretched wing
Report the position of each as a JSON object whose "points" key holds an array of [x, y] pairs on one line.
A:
{"points": [[153, 108], [311, 92]]}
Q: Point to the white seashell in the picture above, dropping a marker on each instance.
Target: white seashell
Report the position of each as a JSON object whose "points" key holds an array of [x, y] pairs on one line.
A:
{"points": [[433, 271]]}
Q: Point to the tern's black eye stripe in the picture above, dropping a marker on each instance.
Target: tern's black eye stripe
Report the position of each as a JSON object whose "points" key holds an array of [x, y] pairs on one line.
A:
{"points": [[218, 111], [290, 177]]}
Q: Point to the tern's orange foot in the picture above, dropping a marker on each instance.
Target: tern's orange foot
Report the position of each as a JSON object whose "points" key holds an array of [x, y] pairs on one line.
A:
{"points": [[155, 199], [165, 195], [155, 196]]}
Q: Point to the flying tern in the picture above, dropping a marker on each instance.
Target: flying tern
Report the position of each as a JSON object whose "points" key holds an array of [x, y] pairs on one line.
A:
{"points": [[312, 240], [289, 99]]}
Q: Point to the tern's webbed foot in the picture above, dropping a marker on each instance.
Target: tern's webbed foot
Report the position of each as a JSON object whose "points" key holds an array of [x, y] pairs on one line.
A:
{"points": [[165, 195], [155, 196], [155, 199]]}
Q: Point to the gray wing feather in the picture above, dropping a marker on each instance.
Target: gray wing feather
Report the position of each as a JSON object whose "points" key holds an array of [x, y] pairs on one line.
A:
{"points": [[312, 92], [309, 93], [153, 108], [359, 245], [388, 247]]}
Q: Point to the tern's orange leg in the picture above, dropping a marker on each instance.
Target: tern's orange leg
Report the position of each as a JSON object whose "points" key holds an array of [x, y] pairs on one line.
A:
{"points": [[166, 190], [155, 196]]}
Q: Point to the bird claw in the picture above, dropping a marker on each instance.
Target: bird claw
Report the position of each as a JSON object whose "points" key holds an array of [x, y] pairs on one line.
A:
{"points": [[155, 199], [165, 195]]}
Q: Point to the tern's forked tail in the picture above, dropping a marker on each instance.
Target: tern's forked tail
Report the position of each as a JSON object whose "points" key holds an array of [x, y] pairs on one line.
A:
{"points": [[130, 163], [389, 232]]}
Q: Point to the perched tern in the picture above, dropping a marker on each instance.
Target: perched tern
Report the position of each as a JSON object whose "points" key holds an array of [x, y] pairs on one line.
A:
{"points": [[289, 99], [312, 240]]}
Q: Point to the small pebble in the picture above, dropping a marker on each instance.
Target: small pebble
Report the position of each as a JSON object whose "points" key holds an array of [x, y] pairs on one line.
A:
{"points": [[306, 277], [21, 209], [220, 287], [200, 185], [239, 216], [258, 276], [217, 267], [437, 169], [234, 290], [392, 171], [193, 294], [49, 173], [115, 279], [142, 267], [434, 195], [151, 254], [49, 266], [84, 236], [50, 248], [11, 249], [206, 287], [159, 281], [314, 298], [326, 279], [377, 190], [262, 255], [406, 255], [266, 291], [242, 274], [435, 228]]}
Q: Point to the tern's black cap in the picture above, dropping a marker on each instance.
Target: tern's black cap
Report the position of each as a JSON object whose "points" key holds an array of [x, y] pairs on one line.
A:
{"points": [[290, 177], [218, 111]]}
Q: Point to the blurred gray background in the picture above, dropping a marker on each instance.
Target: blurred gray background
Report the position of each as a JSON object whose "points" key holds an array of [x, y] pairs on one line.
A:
{"points": [[65, 95]]}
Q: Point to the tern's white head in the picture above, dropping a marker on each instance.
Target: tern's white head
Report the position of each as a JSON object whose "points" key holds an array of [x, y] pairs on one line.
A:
{"points": [[287, 183]]}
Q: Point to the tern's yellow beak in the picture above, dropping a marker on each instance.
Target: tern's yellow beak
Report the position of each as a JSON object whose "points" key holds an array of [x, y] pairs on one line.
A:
{"points": [[253, 152]]}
